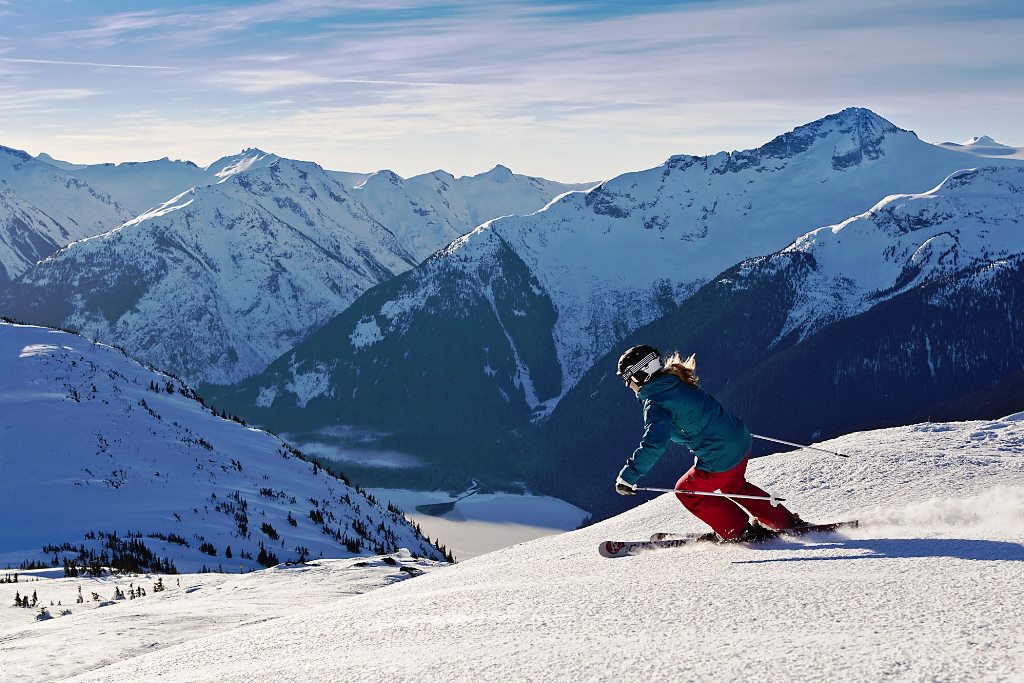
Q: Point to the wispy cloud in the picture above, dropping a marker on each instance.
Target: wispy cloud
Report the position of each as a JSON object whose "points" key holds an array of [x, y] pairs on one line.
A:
{"points": [[98, 64], [573, 84], [198, 24], [269, 80], [12, 99]]}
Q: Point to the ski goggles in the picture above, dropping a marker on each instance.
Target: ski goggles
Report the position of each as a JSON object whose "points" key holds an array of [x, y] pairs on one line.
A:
{"points": [[649, 364]]}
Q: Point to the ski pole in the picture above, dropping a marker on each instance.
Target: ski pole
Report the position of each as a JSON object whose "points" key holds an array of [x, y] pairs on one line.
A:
{"points": [[800, 445], [771, 499]]}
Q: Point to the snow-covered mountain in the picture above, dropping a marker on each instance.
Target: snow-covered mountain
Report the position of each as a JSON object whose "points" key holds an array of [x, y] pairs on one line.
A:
{"points": [[66, 165], [43, 208], [223, 278], [103, 456], [45, 204], [984, 146], [974, 220], [144, 185], [428, 211], [881, 319], [140, 186], [928, 588], [514, 313]]}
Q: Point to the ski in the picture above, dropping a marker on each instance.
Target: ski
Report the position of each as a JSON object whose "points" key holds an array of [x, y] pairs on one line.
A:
{"points": [[660, 541], [798, 531], [624, 548]]}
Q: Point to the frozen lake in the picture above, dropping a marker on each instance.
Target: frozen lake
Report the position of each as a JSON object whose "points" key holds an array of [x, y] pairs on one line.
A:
{"points": [[486, 521]]}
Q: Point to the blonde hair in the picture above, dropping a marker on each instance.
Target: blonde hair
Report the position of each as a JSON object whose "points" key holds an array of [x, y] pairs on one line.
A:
{"points": [[685, 370]]}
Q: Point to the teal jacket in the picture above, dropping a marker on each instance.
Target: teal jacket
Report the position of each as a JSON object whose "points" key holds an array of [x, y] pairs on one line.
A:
{"points": [[687, 415]]}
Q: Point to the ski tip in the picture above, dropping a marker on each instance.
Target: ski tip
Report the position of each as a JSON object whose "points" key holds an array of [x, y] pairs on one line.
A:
{"points": [[610, 549]]}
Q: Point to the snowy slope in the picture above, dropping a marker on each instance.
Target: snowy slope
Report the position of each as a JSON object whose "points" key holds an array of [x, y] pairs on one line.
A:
{"points": [[224, 277], [79, 638], [94, 443], [928, 589], [43, 208], [27, 234], [973, 219], [140, 186]]}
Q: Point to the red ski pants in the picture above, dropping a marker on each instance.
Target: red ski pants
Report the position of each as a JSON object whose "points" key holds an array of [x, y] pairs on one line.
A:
{"points": [[726, 516]]}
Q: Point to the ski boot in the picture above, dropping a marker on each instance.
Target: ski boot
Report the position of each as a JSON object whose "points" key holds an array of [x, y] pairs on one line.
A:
{"points": [[799, 523], [754, 533]]}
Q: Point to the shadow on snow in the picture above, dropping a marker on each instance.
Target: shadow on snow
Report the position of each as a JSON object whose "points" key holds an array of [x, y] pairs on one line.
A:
{"points": [[904, 548]]}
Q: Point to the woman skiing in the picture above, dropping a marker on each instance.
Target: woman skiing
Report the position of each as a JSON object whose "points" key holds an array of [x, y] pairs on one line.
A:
{"points": [[677, 409]]}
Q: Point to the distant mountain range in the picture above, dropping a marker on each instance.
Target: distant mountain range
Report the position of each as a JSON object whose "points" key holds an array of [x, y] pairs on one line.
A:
{"points": [[474, 321], [106, 461], [463, 355], [43, 208], [984, 146], [256, 252]]}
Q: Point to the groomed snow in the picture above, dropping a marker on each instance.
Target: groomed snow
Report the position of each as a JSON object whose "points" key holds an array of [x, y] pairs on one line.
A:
{"points": [[928, 589], [191, 606]]}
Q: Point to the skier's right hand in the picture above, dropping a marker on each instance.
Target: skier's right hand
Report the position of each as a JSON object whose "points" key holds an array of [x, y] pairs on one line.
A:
{"points": [[624, 488]]}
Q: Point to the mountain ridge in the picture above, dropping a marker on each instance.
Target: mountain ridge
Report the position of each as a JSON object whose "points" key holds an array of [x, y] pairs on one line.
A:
{"points": [[603, 262]]}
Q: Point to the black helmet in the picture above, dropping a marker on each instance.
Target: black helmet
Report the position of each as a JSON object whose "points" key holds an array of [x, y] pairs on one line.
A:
{"points": [[639, 364]]}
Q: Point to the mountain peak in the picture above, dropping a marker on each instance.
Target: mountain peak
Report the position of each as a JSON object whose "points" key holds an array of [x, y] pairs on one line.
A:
{"points": [[499, 173], [864, 130], [248, 158], [381, 177], [861, 116], [64, 165], [983, 141]]}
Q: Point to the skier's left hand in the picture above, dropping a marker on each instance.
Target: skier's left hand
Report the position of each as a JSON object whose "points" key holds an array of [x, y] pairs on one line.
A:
{"points": [[624, 488]]}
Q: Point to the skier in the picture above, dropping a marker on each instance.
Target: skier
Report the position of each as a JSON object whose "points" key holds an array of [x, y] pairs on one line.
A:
{"points": [[677, 409]]}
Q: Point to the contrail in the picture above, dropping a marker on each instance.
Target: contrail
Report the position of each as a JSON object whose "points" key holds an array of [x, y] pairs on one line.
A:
{"points": [[114, 66]]}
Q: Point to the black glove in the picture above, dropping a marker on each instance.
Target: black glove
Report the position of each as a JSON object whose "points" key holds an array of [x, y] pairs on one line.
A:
{"points": [[624, 488]]}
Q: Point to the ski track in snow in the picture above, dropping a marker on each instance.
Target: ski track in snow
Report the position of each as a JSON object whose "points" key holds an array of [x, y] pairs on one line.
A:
{"points": [[929, 588]]}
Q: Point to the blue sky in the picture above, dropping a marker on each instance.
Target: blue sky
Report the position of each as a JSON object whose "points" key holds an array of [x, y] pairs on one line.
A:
{"points": [[569, 90]]}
